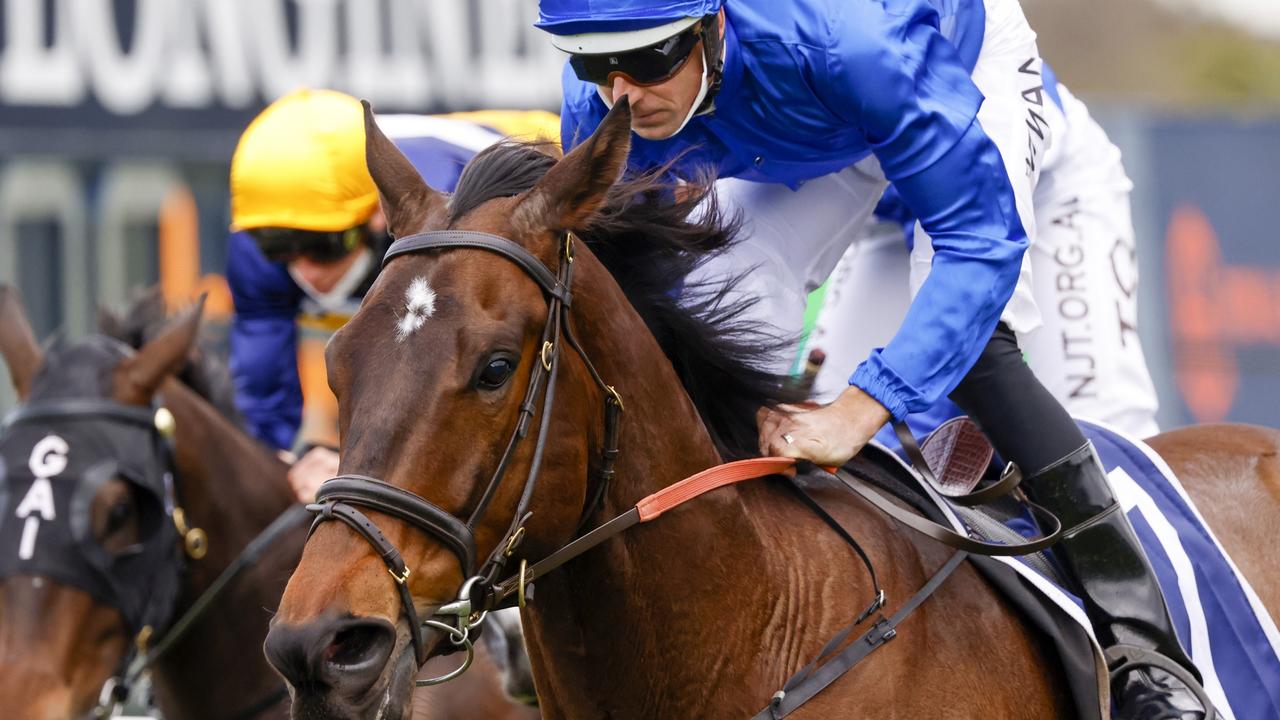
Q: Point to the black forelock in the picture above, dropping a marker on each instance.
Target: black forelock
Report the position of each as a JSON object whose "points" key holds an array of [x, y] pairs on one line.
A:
{"points": [[503, 169]]}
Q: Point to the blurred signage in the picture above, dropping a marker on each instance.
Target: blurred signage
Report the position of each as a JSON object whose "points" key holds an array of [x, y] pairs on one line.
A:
{"points": [[132, 55], [1214, 183], [118, 119]]}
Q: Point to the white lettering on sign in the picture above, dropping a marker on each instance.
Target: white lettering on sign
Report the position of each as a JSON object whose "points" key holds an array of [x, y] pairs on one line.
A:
{"points": [[48, 459], [403, 54]]}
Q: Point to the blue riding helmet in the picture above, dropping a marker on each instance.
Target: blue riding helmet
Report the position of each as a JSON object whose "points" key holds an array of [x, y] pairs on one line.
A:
{"points": [[573, 17]]}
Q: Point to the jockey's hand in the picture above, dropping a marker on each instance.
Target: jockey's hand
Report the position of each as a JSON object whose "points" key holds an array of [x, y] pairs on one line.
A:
{"points": [[316, 466], [827, 435]]}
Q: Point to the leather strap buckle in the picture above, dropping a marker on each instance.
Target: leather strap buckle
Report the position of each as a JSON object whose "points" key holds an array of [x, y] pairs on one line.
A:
{"points": [[521, 600], [514, 542], [613, 393]]}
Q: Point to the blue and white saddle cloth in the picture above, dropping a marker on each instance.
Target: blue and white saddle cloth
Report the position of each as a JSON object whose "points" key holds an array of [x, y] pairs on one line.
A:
{"points": [[1220, 620], [1232, 638]]}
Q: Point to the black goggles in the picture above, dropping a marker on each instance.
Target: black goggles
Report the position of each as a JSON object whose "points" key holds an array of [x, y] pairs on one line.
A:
{"points": [[648, 65], [286, 244]]}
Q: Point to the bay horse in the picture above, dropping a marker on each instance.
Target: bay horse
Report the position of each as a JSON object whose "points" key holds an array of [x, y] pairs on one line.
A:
{"points": [[706, 611], [59, 644]]}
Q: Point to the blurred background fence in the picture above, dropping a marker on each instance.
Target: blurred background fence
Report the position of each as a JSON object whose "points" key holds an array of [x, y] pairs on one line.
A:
{"points": [[118, 118]]}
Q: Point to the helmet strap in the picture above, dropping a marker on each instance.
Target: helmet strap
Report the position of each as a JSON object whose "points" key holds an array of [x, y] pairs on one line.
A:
{"points": [[713, 51], [340, 295]]}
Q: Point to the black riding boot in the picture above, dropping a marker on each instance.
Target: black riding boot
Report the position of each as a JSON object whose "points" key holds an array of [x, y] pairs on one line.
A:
{"points": [[1152, 677]]}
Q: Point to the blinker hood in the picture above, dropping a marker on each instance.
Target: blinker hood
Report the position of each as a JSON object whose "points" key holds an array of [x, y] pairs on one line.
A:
{"points": [[55, 459]]}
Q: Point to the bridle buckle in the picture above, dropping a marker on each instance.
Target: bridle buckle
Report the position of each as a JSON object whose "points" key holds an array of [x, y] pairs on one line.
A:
{"points": [[400, 578], [613, 393], [514, 542], [520, 596]]}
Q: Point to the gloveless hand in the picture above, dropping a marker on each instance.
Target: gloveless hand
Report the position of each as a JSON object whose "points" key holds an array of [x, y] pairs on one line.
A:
{"points": [[826, 435], [313, 468]]}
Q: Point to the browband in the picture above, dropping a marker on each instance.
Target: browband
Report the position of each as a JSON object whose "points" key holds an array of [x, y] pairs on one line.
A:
{"points": [[446, 239]]}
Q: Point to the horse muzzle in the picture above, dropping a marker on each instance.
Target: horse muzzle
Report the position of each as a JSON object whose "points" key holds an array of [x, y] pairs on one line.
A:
{"points": [[343, 667]]}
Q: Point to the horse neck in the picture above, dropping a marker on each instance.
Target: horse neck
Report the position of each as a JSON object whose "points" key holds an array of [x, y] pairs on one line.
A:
{"points": [[232, 488], [660, 423], [626, 596]]}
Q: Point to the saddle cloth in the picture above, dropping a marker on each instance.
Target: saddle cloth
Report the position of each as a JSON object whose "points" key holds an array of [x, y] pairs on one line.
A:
{"points": [[1221, 622]]}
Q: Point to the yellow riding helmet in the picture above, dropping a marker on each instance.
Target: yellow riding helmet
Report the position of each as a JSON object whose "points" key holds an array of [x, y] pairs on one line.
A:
{"points": [[526, 125], [300, 164]]}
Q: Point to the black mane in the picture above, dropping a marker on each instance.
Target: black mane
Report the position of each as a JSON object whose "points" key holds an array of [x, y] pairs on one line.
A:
{"points": [[649, 242], [206, 373]]}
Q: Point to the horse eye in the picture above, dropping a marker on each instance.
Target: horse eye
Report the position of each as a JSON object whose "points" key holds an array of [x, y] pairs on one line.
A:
{"points": [[495, 373], [117, 516]]}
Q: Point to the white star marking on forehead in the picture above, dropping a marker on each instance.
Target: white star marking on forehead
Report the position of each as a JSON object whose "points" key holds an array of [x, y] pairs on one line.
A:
{"points": [[419, 304]]}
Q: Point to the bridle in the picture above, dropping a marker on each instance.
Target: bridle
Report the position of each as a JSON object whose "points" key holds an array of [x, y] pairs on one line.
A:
{"points": [[342, 497]]}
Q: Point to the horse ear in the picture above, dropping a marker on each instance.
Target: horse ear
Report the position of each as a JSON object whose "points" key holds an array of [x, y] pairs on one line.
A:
{"points": [[110, 324], [407, 200], [575, 188], [138, 377], [17, 343]]}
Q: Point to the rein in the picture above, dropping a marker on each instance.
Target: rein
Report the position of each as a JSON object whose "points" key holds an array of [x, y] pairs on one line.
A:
{"points": [[117, 689]]}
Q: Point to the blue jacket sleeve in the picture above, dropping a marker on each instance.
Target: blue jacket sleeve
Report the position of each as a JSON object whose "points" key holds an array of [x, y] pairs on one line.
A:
{"points": [[896, 77], [264, 358]]}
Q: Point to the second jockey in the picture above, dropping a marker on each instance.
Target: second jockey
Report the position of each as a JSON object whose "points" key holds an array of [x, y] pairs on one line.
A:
{"points": [[811, 107], [308, 238]]}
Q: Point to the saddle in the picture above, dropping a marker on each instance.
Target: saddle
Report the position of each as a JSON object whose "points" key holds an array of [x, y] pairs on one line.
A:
{"points": [[960, 456]]}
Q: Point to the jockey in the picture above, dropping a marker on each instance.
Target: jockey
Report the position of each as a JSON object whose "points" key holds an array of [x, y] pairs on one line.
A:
{"points": [[307, 237], [808, 108]]}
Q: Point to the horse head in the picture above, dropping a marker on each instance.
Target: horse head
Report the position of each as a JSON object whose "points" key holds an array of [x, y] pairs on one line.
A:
{"points": [[90, 559], [438, 376]]}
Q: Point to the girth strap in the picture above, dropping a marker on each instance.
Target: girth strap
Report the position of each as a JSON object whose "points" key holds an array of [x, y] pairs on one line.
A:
{"points": [[383, 497], [814, 678]]}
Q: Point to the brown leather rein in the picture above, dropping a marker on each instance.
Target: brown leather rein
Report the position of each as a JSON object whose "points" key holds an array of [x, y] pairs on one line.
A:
{"points": [[341, 497]]}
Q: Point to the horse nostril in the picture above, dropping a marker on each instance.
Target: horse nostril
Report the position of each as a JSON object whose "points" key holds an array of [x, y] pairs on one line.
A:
{"points": [[359, 644], [347, 655]]}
